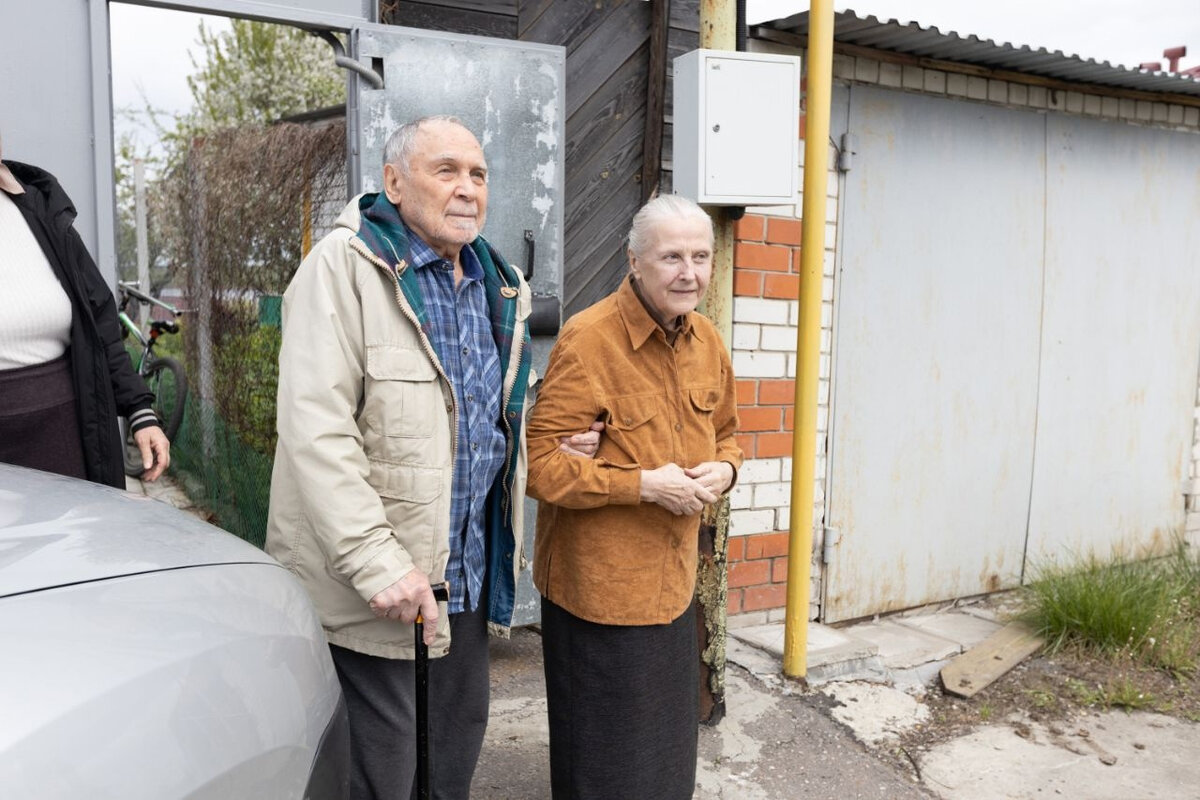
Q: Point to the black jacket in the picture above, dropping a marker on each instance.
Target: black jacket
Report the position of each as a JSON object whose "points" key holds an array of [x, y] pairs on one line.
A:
{"points": [[106, 384]]}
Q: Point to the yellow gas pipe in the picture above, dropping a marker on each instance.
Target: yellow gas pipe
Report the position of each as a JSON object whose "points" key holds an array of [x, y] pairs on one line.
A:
{"points": [[819, 80]]}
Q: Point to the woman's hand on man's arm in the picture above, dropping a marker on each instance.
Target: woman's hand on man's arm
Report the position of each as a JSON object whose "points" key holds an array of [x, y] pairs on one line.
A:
{"points": [[583, 444]]}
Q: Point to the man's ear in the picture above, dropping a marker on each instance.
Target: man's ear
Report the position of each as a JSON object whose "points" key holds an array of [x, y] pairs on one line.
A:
{"points": [[392, 183]]}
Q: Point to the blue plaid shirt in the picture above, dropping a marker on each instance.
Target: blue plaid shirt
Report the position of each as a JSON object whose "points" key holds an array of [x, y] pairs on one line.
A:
{"points": [[461, 332]]}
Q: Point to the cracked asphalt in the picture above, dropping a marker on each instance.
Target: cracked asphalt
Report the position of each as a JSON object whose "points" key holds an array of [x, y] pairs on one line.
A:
{"points": [[773, 744]]}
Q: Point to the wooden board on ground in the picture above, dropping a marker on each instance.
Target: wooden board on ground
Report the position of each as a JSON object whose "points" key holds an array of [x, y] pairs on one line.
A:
{"points": [[991, 658]]}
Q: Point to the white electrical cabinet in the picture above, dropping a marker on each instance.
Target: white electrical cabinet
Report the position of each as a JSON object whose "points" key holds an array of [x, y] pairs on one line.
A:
{"points": [[737, 118]]}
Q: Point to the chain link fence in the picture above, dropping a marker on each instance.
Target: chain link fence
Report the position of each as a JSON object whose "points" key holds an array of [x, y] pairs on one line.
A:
{"points": [[237, 217]]}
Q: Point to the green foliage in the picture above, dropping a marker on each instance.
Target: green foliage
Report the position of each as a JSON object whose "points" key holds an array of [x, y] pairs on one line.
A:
{"points": [[1145, 611], [253, 74], [1041, 698], [1123, 692], [256, 73]]}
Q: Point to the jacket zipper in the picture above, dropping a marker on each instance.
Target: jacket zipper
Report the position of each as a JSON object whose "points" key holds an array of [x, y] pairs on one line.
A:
{"points": [[506, 396]]}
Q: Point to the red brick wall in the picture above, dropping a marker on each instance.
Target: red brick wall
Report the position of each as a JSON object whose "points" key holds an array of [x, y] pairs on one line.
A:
{"points": [[757, 572], [766, 259]]}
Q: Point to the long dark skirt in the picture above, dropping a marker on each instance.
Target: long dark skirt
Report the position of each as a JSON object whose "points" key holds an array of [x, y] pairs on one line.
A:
{"points": [[623, 707], [39, 426]]}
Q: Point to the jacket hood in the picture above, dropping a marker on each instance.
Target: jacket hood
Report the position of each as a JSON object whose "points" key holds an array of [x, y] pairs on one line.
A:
{"points": [[351, 217], [47, 188]]}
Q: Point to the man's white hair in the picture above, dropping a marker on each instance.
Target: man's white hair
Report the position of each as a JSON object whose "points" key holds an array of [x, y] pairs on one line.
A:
{"points": [[400, 145], [658, 210]]}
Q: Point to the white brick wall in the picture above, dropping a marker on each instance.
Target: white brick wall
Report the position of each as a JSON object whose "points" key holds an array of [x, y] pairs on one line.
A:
{"points": [[765, 311]]}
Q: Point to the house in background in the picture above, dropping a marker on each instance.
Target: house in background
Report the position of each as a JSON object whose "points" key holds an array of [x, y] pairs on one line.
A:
{"points": [[1011, 324]]}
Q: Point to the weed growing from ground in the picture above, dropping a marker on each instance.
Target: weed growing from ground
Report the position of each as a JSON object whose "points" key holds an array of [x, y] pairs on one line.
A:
{"points": [[1146, 612]]}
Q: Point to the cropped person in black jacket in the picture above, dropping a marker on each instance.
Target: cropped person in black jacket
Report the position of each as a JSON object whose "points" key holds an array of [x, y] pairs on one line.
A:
{"points": [[64, 373]]}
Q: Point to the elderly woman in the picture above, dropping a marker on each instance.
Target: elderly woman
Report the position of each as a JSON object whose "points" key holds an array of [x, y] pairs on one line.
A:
{"points": [[616, 548]]}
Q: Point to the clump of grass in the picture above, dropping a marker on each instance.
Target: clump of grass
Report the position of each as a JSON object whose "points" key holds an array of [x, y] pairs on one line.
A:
{"points": [[1147, 611], [1041, 698]]}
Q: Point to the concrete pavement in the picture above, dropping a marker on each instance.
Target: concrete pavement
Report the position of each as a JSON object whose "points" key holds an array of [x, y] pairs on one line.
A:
{"points": [[875, 674]]}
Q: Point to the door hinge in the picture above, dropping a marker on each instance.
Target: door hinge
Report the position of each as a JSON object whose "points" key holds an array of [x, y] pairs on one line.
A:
{"points": [[846, 152], [829, 547]]}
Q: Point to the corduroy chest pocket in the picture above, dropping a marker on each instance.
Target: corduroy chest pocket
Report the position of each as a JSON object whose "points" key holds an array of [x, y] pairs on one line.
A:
{"points": [[401, 394], [637, 429]]}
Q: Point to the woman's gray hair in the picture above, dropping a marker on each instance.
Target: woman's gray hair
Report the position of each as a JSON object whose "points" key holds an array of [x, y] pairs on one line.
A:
{"points": [[658, 210], [401, 143]]}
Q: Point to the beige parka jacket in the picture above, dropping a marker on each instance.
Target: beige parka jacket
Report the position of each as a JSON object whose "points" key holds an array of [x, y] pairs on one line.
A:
{"points": [[360, 493]]}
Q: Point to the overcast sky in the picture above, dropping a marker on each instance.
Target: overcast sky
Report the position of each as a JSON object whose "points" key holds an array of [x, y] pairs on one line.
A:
{"points": [[1125, 32], [150, 46], [150, 56]]}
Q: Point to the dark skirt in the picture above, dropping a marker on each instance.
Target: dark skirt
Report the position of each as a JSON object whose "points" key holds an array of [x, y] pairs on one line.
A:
{"points": [[623, 703], [39, 426]]}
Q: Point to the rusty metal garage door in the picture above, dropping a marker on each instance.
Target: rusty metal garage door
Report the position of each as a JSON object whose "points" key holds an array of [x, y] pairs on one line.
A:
{"points": [[936, 346]]}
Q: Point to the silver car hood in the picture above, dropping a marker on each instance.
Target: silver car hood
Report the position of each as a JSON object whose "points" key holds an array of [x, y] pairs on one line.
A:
{"points": [[57, 531]]}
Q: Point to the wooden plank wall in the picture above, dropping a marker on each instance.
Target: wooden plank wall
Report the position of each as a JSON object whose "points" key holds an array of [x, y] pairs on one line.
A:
{"points": [[608, 53]]}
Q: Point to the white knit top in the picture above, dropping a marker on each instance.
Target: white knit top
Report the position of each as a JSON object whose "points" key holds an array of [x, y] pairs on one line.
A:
{"points": [[35, 312]]}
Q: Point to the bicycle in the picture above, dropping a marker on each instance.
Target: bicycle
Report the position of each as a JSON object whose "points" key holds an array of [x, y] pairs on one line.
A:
{"points": [[163, 374]]}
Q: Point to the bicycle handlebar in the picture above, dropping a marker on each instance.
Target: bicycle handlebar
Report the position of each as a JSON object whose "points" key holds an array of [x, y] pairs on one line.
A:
{"points": [[131, 288]]}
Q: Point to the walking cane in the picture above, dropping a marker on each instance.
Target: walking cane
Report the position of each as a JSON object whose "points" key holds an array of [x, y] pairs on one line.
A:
{"points": [[441, 591]]}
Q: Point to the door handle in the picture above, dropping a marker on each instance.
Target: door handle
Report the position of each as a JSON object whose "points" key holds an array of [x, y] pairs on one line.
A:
{"points": [[529, 251]]}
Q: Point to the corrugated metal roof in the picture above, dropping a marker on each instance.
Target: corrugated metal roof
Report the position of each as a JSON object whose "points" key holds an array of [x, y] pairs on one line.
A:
{"points": [[910, 38]]}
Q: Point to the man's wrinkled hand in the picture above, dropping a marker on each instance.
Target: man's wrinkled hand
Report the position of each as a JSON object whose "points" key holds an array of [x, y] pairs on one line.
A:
{"points": [[583, 444], [407, 597]]}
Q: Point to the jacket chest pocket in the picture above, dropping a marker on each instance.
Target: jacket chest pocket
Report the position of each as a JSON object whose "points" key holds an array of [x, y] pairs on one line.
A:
{"points": [[401, 397], [637, 427]]}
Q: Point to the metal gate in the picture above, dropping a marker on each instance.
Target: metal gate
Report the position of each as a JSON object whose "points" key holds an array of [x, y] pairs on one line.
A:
{"points": [[1016, 350]]}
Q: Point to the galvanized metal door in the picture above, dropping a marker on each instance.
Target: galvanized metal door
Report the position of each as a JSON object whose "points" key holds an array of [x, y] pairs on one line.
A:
{"points": [[1121, 339], [936, 345], [511, 95]]}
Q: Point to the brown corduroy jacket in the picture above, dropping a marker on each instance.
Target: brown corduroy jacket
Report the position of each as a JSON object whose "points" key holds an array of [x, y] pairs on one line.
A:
{"points": [[601, 553]]}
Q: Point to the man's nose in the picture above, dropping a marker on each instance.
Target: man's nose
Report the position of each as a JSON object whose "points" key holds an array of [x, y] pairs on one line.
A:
{"points": [[465, 186]]}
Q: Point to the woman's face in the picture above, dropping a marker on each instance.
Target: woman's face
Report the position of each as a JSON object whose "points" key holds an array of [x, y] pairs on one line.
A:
{"points": [[675, 267]]}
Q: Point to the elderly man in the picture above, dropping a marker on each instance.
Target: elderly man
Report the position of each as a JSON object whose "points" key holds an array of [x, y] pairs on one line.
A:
{"points": [[401, 458]]}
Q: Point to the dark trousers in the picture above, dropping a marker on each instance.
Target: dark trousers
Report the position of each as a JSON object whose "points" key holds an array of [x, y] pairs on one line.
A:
{"points": [[381, 705], [623, 703], [39, 426]]}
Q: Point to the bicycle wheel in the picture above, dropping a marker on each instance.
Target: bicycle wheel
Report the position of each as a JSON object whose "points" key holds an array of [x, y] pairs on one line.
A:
{"points": [[168, 381], [129, 451]]}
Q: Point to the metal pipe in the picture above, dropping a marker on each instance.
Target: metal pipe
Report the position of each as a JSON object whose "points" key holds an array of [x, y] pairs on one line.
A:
{"points": [[819, 87], [741, 26], [342, 60], [717, 22]]}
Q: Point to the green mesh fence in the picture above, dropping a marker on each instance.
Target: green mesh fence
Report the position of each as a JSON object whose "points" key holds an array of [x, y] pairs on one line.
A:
{"points": [[224, 450], [236, 216], [221, 473]]}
